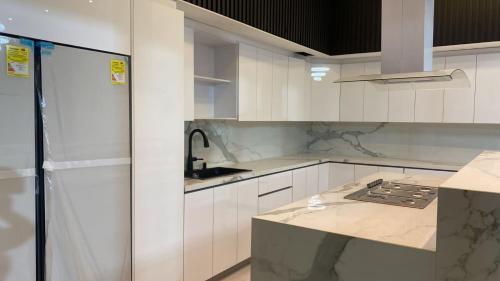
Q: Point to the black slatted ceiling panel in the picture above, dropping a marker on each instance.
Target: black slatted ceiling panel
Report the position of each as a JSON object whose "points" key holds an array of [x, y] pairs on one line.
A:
{"points": [[344, 27], [300, 21]]}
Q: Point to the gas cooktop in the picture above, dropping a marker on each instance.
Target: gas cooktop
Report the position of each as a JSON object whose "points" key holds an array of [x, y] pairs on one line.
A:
{"points": [[394, 193]]}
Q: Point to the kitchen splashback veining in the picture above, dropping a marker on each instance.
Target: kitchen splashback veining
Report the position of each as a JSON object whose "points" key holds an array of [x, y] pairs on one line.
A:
{"points": [[454, 143], [236, 142]]}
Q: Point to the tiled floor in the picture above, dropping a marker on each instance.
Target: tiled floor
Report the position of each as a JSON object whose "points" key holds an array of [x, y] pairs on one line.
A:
{"points": [[240, 275]]}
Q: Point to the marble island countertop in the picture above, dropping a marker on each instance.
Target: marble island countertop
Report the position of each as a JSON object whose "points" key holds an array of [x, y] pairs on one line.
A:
{"points": [[330, 212], [481, 174], [274, 165]]}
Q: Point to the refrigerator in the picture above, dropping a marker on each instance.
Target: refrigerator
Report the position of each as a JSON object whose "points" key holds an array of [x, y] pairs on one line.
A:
{"points": [[77, 118]]}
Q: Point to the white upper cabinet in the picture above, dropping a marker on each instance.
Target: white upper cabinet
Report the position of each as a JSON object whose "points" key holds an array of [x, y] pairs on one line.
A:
{"points": [[487, 101], [264, 84], [279, 103], [459, 102], [376, 98], [298, 98], [188, 74], [401, 103], [351, 93], [325, 95], [429, 103], [247, 83]]}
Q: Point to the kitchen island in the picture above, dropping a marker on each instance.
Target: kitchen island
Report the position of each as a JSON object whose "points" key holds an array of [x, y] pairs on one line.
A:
{"points": [[327, 237]]}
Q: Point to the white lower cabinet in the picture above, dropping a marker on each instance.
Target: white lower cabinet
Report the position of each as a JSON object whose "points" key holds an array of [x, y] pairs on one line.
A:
{"points": [[248, 206], [275, 200], [444, 174], [341, 174], [312, 180], [391, 170], [361, 171], [225, 240], [299, 184], [323, 177], [274, 182], [198, 235]]}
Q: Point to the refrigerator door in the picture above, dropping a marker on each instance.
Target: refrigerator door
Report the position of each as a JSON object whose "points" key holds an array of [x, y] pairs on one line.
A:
{"points": [[86, 111], [17, 161]]}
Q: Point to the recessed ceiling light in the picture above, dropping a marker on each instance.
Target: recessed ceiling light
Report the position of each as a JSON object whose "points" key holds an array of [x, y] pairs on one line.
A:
{"points": [[318, 74], [317, 78], [46, 10], [320, 69], [91, 1], [10, 19]]}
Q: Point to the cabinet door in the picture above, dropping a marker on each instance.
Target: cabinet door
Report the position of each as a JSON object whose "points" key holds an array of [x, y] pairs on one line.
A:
{"points": [[264, 84], [312, 180], [225, 241], [280, 88], [401, 103], [297, 96], [188, 74], [487, 101], [299, 184], [248, 206], [376, 97], [323, 177], [341, 174], [459, 102], [275, 200], [274, 182], [429, 103], [325, 95], [351, 93], [247, 83], [361, 171], [198, 235]]}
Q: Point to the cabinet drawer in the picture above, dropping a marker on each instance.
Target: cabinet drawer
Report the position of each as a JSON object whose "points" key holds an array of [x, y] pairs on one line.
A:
{"points": [[275, 200], [443, 174], [274, 182]]}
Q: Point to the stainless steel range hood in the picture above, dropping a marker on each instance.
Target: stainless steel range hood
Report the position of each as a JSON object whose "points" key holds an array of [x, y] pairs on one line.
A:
{"points": [[407, 41]]}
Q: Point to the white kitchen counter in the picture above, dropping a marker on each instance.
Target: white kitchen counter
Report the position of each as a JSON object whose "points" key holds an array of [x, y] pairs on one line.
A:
{"points": [[275, 165]]}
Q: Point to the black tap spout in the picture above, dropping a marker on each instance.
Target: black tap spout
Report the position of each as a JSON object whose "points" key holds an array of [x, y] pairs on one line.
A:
{"points": [[190, 158]]}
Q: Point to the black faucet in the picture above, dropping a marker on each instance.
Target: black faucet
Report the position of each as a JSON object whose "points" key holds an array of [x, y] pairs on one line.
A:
{"points": [[190, 158]]}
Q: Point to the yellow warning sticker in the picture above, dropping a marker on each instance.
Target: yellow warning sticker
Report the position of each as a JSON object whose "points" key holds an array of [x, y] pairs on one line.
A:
{"points": [[18, 59], [118, 72]]}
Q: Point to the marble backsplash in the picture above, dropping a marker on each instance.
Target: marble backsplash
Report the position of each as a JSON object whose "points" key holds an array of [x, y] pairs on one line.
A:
{"points": [[450, 143], [232, 141]]}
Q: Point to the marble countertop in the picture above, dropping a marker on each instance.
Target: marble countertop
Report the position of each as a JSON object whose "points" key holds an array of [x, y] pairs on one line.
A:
{"points": [[274, 165], [481, 174], [330, 212]]}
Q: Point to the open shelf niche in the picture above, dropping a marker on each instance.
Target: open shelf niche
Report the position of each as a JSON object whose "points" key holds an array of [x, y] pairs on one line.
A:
{"points": [[215, 78]]}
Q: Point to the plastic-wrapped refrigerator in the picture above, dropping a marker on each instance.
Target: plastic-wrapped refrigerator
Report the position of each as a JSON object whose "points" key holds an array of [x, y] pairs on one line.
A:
{"points": [[86, 126], [65, 167]]}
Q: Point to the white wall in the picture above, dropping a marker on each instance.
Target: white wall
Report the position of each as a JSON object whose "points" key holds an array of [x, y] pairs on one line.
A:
{"points": [[102, 24], [158, 61]]}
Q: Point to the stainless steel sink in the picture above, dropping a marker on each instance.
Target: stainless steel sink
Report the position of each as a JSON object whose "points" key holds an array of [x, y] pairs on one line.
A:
{"points": [[215, 172]]}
